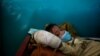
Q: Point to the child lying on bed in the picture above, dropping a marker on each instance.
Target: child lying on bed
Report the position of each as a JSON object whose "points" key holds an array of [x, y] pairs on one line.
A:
{"points": [[48, 39], [64, 35], [82, 47]]}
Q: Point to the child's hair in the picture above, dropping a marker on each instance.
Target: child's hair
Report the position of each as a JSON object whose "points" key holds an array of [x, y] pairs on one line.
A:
{"points": [[49, 27]]}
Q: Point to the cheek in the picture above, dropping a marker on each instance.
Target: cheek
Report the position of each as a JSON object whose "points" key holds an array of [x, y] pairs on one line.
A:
{"points": [[53, 31], [58, 32]]}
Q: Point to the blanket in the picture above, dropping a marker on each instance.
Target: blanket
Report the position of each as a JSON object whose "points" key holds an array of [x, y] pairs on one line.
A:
{"points": [[87, 48]]}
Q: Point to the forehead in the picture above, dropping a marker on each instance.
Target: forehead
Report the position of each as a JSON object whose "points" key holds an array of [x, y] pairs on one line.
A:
{"points": [[55, 27]]}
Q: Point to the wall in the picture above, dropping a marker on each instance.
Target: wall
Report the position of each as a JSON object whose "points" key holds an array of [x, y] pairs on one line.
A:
{"points": [[20, 15]]}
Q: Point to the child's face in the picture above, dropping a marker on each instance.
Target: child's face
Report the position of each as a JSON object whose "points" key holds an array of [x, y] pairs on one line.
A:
{"points": [[56, 30]]}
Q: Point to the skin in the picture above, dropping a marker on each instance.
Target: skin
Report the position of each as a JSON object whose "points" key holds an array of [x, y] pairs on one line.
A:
{"points": [[56, 30]]}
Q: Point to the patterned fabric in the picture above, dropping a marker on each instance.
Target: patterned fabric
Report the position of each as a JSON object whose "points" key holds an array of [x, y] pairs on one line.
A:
{"points": [[67, 49], [88, 48], [83, 47]]}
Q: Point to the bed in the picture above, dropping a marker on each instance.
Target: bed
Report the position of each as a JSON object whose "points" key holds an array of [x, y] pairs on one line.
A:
{"points": [[24, 50]]}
